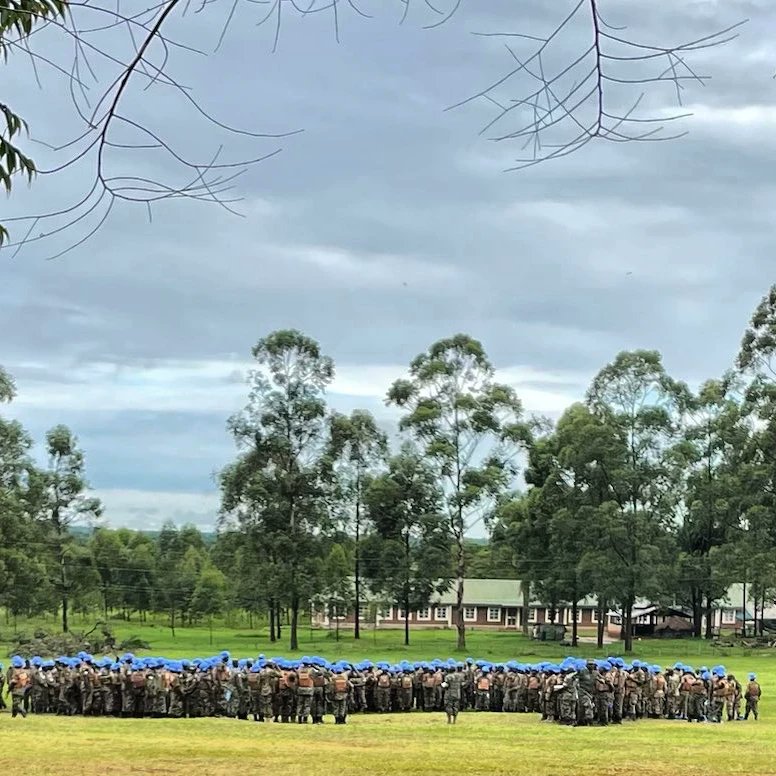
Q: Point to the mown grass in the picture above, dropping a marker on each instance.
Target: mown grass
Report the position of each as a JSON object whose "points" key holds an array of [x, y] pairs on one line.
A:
{"points": [[393, 744]]}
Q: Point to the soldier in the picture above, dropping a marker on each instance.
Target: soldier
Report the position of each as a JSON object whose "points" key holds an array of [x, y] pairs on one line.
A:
{"points": [[673, 682], [39, 689], [567, 691], [269, 701], [585, 688], [603, 693], [320, 680], [429, 687], [467, 697], [497, 689], [696, 707], [733, 699], [340, 689], [358, 680], [659, 686], [175, 690], [534, 691], [305, 691], [18, 685], [3, 705], [482, 690], [254, 697], [719, 691], [404, 690], [453, 685], [383, 689], [752, 697], [511, 679]]}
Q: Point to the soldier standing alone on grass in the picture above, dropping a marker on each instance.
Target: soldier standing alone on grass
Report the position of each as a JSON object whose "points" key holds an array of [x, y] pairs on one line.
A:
{"points": [[752, 697], [453, 686]]}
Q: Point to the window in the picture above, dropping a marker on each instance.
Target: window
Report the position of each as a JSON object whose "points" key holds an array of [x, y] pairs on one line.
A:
{"points": [[547, 613], [441, 613], [728, 616], [594, 616], [402, 612], [470, 613], [511, 621], [385, 612], [532, 615], [363, 612], [494, 614], [424, 613]]}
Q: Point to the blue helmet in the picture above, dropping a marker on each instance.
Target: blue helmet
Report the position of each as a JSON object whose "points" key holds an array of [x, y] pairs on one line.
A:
{"points": [[752, 677], [17, 661]]}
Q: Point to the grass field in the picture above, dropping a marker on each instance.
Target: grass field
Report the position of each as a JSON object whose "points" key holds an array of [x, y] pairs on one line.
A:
{"points": [[399, 744]]}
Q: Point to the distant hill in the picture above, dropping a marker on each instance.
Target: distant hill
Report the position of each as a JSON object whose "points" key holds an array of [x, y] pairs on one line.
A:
{"points": [[83, 532]]}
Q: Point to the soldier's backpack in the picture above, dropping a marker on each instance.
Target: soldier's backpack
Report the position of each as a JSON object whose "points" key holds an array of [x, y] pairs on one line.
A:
{"points": [[340, 683], [253, 679], [384, 681], [406, 682], [21, 680], [138, 679], [305, 678], [483, 684], [752, 690]]}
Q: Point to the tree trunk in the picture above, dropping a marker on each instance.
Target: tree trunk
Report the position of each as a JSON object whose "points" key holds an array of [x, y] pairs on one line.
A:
{"points": [[602, 608], [627, 622], [460, 572], [709, 624], [357, 581], [172, 621], [210, 625], [743, 610], [526, 608], [755, 600], [406, 621], [697, 613], [574, 609], [336, 623], [278, 634], [63, 583], [272, 636], [294, 645]]}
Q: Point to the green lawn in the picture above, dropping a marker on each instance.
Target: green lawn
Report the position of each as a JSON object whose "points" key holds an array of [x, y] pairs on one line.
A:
{"points": [[392, 744], [398, 744], [378, 644]]}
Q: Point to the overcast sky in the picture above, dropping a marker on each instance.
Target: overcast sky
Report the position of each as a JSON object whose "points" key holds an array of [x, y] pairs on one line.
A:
{"points": [[387, 224]]}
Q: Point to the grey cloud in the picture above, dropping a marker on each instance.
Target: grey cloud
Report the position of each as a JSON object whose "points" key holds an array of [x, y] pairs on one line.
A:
{"points": [[646, 245]]}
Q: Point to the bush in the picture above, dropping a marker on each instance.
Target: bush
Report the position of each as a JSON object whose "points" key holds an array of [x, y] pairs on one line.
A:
{"points": [[132, 644]]}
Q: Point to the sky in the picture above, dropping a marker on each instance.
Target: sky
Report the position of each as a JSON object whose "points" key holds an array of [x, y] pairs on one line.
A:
{"points": [[386, 224]]}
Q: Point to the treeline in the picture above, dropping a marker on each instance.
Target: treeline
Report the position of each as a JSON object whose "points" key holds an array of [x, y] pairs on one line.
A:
{"points": [[644, 489]]}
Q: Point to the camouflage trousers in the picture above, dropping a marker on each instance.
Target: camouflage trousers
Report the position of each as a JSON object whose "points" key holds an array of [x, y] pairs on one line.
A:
{"points": [[604, 706], [452, 707], [752, 707], [304, 705], [567, 707]]}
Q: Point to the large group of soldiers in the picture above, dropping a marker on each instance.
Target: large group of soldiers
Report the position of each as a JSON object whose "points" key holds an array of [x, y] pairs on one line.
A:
{"points": [[574, 692]]}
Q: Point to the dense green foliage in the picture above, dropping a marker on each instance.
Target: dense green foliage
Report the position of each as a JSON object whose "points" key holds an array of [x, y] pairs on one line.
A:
{"points": [[644, 490]]}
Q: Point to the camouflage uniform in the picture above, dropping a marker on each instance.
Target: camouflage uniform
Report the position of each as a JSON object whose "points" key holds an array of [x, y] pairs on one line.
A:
{"points": [[453, 690]]}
